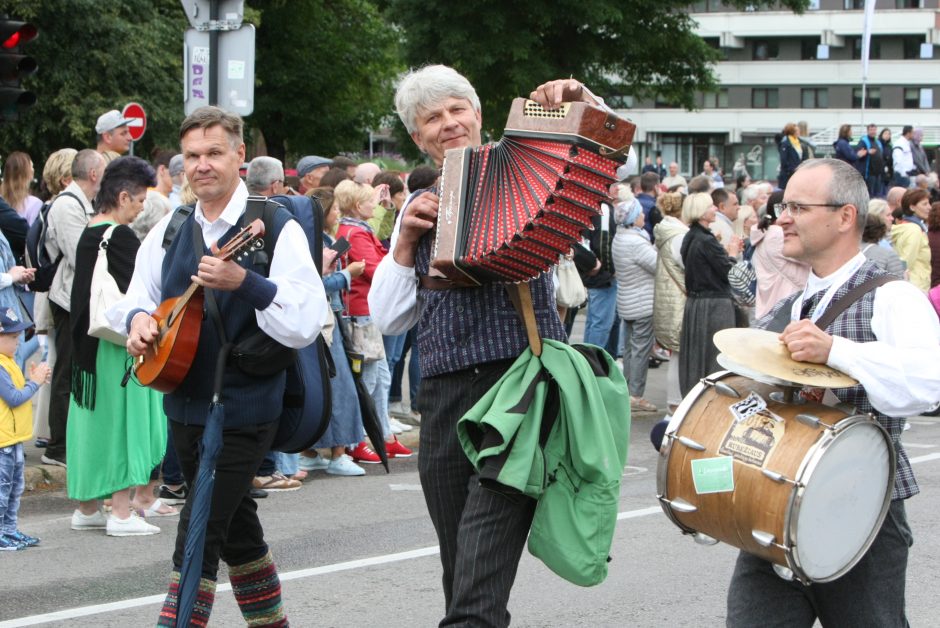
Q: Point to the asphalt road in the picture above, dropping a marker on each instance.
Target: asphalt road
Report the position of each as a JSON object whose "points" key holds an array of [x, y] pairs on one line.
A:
{"points": [[362, 552]]}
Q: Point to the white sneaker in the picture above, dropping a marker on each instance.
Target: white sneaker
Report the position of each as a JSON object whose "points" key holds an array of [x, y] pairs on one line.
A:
{"points": [[316, 463], [132, 526], [81, 521], [395, 424], [344, 465]]}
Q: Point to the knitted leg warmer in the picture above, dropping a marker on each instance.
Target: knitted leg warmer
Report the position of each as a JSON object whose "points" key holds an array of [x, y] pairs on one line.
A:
{"points": [[258, 592], [202, 607]]}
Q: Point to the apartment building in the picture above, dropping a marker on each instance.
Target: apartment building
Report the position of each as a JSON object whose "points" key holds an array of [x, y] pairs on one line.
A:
{"points": [[780, 67]]}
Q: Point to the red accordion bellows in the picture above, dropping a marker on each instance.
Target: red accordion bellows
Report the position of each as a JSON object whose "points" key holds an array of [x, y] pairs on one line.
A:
{"points": [[508, 210]]}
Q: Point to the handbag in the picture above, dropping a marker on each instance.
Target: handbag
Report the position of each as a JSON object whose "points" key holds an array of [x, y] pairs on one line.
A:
{"points": [[743, 281], [104, 294], [367, 341], [569, 289]]}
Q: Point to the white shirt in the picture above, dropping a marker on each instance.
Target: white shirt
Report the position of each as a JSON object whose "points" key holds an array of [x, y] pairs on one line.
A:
{"points": [[293, 318], [723, 228], [393, 297], [903, 157], [900, 371]]}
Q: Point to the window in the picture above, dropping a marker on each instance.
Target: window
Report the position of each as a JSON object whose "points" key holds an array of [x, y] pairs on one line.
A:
{"points": [[874, 51], [918, 98], [872, 98], [815, 98], [765, 98], [854, 4], [662, 103], [809, 49], [714, 100], [620, 101], [912, 46], [765, 49], [909, 4]]}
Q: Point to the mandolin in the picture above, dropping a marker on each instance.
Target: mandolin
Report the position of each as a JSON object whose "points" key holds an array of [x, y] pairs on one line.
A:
{"points": [[179, 320]]}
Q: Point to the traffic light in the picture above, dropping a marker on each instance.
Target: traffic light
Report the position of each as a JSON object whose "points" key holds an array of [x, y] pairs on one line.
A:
{"points": [[14, 66]]}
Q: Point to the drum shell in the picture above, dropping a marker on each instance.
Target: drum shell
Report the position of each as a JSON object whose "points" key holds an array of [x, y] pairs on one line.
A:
{"points": [[757, 501]]}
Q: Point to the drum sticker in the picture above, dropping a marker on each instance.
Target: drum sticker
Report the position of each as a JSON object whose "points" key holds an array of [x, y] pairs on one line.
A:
{"points": [[713, 475], [748, 407], [753, 440]]}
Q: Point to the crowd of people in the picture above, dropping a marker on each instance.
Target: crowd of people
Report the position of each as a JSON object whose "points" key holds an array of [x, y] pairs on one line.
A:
{"points": [[668, 262]]}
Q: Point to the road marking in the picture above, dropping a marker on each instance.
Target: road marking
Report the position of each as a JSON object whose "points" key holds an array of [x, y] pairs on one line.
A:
{"points": [[918, 446], [85, 611], [628, 470], [405, 487]]}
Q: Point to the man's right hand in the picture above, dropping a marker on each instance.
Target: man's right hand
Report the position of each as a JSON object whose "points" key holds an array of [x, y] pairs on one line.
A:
{"points": [[418, 218], [143, 332]]}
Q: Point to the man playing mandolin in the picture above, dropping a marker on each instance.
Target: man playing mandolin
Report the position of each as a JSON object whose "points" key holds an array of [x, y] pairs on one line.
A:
{"points": [[288, 304]]}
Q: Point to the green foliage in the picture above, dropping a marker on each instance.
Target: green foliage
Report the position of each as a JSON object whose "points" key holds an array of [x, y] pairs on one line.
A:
{"points": [[328, 68], [643, 48], [94, 56]]}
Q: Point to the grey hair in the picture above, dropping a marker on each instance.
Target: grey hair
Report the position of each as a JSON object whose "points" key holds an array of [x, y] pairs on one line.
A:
{"points": [[750, 193], [262, 172], [421, 89], [85, 161], [846, 186], [695, 206]]}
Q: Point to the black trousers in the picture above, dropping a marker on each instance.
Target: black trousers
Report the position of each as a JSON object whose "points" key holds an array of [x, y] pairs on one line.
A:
{"points": [[233, 532], [481, 533], [61, 383]]}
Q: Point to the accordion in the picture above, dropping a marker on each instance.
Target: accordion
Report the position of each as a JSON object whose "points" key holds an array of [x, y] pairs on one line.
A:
{"points": [[508, 210]]}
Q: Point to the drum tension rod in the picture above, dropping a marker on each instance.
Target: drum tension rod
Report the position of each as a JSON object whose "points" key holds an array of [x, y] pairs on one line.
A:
{"points": [[721, 388], [778, 477], [811, 420], [766, 539], [678, 504]]}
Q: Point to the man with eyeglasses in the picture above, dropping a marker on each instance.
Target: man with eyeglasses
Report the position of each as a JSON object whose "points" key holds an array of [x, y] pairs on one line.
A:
{"points": [[889, 340]]}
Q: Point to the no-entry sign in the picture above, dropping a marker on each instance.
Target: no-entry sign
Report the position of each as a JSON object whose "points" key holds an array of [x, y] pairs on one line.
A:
{"points": [[137, 120]]}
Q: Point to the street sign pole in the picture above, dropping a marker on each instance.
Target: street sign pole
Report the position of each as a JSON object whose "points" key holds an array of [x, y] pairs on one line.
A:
{"points": [[214, 52]]}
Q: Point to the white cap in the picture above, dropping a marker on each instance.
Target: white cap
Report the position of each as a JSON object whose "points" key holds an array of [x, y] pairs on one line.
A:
{"points": [[110, 121]]}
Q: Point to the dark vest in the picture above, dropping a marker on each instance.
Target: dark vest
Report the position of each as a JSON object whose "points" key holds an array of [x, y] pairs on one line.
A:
{"points": [[248, 400], [465, 327], [855, 325]]}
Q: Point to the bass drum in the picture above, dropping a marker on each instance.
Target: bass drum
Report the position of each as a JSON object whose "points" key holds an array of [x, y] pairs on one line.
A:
{"points": [[802, 485]]}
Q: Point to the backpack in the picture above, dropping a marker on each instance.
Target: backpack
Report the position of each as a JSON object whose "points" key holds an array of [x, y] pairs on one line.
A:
{"points": [[308, 401], [36, 254]]}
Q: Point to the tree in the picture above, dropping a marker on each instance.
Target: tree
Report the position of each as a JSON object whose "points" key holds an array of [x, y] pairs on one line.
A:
{"points": [[95, 56], [642, 48], [325, 72]]}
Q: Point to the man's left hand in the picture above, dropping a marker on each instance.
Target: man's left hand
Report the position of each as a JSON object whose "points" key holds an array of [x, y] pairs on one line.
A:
{"points": [[551, 94], [219, 275], [807, 342]]}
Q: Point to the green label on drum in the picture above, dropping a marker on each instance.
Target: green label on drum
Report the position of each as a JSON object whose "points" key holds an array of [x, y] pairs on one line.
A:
{"points": [[713, 475]]}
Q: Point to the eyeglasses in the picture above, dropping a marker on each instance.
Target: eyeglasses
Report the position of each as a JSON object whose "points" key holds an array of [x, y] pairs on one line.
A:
{"points": [[795, 209]]}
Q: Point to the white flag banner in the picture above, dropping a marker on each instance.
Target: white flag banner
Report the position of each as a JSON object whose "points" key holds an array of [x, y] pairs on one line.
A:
{"points": [[866, 36]]}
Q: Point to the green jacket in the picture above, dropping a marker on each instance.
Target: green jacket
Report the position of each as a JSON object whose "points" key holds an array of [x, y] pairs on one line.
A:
{"points": [[556, 428]]}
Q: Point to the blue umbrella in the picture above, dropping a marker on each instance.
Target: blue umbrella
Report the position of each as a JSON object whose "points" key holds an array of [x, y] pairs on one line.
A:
{"points": [[209, 448]]}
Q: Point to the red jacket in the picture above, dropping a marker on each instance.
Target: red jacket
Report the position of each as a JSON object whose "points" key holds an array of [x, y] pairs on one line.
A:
{"points": [[364, 246]]}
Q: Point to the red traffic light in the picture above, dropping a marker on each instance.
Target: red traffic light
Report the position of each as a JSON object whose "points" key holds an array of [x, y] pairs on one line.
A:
{"points": [[16, 33]]}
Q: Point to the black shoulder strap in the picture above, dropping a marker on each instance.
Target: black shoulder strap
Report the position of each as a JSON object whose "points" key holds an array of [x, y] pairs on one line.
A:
{"points": [[179, 217], [845, 301], [261, 207]]}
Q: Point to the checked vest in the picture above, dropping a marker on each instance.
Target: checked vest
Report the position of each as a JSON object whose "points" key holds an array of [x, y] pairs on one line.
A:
{"points": [[855, 325]]}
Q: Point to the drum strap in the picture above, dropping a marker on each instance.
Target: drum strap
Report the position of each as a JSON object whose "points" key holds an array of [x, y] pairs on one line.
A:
{"points": [[842, 304]]}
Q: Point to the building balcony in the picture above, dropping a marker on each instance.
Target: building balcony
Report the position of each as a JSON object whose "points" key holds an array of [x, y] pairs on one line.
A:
{"points": [[826, 73], [737, 122], [812, 23]]}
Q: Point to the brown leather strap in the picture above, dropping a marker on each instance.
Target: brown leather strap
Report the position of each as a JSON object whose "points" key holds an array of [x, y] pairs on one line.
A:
{"points": [[521, 298], [435, 283], [842, 304]]}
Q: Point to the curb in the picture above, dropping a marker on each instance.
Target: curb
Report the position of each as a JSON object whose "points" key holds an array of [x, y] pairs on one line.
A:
{"points": [[44, 477]]}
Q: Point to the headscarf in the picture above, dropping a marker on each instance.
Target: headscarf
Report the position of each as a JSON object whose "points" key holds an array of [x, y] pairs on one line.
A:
{"points": [[630, 210]]}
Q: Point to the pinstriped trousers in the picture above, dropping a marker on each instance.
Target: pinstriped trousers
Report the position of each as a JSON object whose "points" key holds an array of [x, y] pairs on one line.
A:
{"points": [[481, 532]]}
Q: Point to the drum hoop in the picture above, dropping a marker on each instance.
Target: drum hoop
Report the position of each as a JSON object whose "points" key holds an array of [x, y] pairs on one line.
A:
{"points": [[810, 461], [662, 468]]}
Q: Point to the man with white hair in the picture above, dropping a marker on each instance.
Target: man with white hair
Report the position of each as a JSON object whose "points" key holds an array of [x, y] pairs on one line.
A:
{"points": [[366, 172], [265, 176], [675, 178], [854, 317], [468, 338]]}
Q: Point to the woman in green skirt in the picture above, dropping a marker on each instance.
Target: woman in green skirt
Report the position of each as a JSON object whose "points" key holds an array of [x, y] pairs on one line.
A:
{"points": [[117, 435]]}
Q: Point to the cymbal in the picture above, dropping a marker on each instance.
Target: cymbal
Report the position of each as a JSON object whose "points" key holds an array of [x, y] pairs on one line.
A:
{"points": [[761, 351]]}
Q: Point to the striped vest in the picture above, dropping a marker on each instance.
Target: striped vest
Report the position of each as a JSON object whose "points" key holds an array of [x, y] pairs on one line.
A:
{"points": [[463, 327], [855, 324]]}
